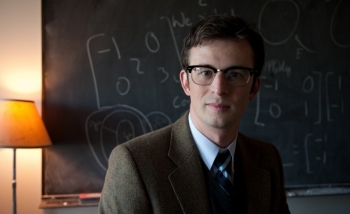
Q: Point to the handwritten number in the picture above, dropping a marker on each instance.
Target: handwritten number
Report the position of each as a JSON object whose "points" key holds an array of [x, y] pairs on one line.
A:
{"points": [[151, 35], [137, 65], [165, 72], [127, 86]]}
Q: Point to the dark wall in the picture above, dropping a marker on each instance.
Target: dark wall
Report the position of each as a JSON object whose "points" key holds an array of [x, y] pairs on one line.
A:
{"points": [[111, 72]]}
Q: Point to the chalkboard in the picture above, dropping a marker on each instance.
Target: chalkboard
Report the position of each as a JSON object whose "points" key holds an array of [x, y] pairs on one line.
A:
{"points": [[111, 73]]}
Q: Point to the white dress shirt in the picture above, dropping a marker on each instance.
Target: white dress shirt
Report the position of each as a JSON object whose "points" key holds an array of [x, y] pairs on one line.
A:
{"points": [[207, 149]]}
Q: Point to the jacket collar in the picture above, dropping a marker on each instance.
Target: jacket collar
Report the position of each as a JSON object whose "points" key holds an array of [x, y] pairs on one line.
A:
{"points": [[187, 180]]}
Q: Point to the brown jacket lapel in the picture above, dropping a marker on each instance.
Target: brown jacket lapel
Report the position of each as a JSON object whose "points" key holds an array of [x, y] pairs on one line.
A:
{"points": [[187, 180]]}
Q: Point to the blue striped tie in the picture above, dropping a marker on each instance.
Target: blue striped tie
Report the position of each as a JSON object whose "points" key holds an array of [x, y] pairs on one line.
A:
{"points": [[222, 170]]}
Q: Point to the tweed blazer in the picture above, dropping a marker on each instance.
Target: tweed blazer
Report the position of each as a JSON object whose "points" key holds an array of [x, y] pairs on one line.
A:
{"points": [[161, 172]]}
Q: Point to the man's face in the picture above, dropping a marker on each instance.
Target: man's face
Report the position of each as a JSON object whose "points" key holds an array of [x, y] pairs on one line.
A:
{"points": [[219, 106]]}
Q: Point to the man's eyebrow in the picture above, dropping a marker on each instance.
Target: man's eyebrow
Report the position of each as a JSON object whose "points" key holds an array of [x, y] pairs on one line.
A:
{"points": [[205, 65], [210, 66]]}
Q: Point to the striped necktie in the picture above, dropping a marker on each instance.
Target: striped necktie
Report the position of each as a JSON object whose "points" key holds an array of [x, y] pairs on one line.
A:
{"points": [[222, 170]]}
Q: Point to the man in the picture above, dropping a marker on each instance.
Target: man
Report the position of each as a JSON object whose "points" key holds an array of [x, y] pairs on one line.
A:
{"points": [[201, 164]]}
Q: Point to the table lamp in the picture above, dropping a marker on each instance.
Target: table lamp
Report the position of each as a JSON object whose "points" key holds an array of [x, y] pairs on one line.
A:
{"points": [[21, 127]]}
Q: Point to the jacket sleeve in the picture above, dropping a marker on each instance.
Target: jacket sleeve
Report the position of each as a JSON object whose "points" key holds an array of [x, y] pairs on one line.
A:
{"points": [[123, 190]]}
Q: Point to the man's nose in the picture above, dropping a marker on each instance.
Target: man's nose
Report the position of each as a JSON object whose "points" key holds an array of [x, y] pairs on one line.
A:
{"points": [[220, 86]]}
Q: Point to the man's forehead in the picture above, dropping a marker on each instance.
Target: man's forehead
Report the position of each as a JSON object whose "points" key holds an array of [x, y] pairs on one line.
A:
{"points": [[214, 42]]}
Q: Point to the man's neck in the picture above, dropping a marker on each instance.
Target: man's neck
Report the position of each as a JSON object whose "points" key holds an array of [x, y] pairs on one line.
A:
{"points": [[222, 137]]}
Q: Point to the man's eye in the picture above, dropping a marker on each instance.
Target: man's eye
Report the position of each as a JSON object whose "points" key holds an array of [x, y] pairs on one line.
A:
{"points": [[234, 74], [206, 73]]}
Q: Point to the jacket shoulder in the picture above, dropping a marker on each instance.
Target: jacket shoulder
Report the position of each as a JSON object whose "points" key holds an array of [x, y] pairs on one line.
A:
{"points": [[254, 143], [159, 140], [267, 155]]}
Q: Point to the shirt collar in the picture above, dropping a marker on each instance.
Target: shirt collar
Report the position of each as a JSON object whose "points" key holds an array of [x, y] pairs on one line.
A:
{"points": [[207, 149]]}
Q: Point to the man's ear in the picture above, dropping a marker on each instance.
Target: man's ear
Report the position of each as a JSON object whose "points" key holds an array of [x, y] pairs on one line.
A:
{"points": [[184, 82], [255, 88]]}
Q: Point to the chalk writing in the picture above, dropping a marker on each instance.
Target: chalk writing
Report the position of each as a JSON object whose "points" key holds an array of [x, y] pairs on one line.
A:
{"points": [[257, 112], [274, 67], [303, 46], [275, 110], [173, 38], [91, 62], [337, 104], [127, 87], [137, 65], [162, 69], [177, 104], [296, 20], [151, 35], [317, 148], [336, 10], [182, 23], [123, 122], [202, 3], [309, 86]]}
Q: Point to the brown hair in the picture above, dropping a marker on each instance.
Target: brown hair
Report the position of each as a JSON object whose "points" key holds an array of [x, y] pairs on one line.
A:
{"points": [[223, 27]]}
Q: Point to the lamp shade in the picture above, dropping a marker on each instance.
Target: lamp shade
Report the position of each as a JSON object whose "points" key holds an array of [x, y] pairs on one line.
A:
{"points": [[21, 125]]}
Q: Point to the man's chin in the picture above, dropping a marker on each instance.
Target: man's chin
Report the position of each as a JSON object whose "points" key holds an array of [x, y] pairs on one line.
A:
{"points": [[218, 122]]}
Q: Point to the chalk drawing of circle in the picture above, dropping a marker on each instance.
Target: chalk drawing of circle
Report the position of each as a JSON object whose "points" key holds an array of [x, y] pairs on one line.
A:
{"points": [[278, 20], [158, 119], [339, 26], [120, 125]]}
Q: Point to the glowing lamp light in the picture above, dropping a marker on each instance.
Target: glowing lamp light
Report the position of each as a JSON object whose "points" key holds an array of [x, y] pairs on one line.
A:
{"points": [[23, 82]]}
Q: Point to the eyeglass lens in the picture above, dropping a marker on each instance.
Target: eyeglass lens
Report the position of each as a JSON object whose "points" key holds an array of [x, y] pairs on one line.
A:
{"points": [[206, 75]]}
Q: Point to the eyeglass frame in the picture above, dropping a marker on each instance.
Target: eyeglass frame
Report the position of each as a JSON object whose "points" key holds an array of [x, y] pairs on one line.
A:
{"points": [[250, 70]]}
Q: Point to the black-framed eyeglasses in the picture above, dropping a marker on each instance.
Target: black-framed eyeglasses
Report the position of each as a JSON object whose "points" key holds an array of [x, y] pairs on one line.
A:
{"points": [[236, 76]]}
